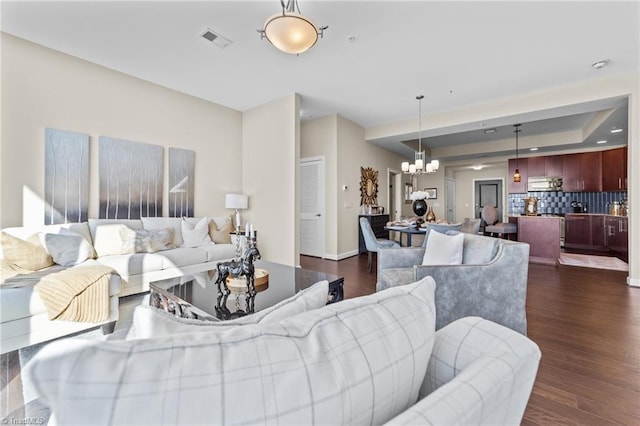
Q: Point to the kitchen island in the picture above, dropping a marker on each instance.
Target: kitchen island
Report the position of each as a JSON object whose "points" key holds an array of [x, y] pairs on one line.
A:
{"points": [[542, 233]]}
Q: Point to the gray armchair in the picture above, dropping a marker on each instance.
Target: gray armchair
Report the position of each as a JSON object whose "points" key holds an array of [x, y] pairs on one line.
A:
{"points": [[491, 282], [372, 243]]}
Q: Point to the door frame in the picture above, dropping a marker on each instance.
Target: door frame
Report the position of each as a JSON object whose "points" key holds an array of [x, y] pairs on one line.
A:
{"points": [[450, 203], [502, 196], [395, 176]]}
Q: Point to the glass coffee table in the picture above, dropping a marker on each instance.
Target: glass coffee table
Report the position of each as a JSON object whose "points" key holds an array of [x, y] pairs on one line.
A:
{"points": [[196, 295]]}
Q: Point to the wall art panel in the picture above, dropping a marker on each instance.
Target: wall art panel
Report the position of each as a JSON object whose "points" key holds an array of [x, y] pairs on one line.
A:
{"points": [[130, 179], [181, 182], [66, 162]]}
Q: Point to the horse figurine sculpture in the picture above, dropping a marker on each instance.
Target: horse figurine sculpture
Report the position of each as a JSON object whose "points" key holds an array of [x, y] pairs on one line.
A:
{"points": [[242, 267]]}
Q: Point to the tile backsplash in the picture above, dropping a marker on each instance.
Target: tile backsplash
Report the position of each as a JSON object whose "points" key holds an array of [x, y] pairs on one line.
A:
{"points": [[557, 202]]}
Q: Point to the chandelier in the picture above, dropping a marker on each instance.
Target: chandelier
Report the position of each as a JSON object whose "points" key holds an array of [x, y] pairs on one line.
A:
{"points": [[516, 175], [419, 167], [290, 31]]}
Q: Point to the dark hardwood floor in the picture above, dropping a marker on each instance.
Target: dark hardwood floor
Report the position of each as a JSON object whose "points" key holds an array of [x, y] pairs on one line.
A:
{"points": [[587, 324]]}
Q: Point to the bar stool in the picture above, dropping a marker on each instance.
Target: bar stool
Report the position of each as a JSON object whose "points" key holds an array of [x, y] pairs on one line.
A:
{"points": [[503, 229]]}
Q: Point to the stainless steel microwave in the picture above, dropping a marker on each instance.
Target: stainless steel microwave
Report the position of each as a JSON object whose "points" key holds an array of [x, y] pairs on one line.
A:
{"points": [[544, 183]]}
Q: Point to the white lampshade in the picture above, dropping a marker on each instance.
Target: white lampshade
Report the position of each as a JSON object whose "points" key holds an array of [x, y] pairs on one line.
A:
{"points": [[412, 168], [290, 32], [429, 168], [435, 164], [419, 164], [236, 201], [405, 166]]}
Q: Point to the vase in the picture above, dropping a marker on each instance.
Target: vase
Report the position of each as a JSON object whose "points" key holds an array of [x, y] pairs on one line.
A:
{"points": [[419, 207], [431, 216]]}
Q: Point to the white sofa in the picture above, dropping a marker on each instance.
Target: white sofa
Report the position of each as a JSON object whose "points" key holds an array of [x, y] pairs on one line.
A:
{"points": [[138, 269], [23, 316]]}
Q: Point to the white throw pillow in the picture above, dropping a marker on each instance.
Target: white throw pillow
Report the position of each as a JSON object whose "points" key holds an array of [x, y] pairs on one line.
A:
{"points": [[195, 235], [67, 248], [443, 249], [107, 239], [149, 322], [359, 361]]}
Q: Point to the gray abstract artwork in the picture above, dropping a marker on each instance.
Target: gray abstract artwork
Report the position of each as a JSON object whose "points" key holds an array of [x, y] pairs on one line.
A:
{"points": [[66, 163], [130, 179], [181, 188]]}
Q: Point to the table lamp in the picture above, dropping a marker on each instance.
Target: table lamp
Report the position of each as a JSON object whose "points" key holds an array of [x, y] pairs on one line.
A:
{"points": [[237, 202]]}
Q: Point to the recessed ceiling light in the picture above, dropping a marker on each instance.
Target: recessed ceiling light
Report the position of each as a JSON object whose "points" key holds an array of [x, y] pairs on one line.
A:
{"points": [[616, 130], [533, 149], [477, 167], [493, 130], [601, 142], [600, 64]]}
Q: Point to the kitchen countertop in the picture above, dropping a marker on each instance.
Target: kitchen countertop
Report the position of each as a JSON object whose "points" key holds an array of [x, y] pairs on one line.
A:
{"points": [[595, 214]]}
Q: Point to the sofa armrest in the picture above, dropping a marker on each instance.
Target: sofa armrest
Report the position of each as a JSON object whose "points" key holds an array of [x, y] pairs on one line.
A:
{"points": [[405, 257], [495, 291], [479, 373]]}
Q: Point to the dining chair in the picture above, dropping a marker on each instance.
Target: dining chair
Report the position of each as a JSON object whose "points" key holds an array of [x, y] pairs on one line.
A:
{"points": [[371, 242], [443, 228]]}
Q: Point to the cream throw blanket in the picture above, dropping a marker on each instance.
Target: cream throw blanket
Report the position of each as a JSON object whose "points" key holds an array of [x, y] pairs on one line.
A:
{"points": [[77, 294]]}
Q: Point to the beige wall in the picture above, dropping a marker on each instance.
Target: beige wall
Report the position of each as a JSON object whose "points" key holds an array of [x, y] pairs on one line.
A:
{"points": [[44, 88], [270, 159], [319, 138], [342, 144], [465, 188], [354, 152]]}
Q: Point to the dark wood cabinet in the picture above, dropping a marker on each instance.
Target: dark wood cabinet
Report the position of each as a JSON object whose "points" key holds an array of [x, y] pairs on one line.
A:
{"points": [[571, 172], [582, 172], [584, 231], [553, 165], [617, 235], [535, 166], [614, 169], [517, 187], [591, 171], [378, 222]]}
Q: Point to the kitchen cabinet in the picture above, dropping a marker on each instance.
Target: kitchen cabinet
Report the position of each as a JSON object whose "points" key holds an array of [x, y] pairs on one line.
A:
{"points": [[614, 169], [553, 165], [582, 172], [517, 187], [378, 223], [584, 231], [571, 172], [617, 235], [535, 166]]}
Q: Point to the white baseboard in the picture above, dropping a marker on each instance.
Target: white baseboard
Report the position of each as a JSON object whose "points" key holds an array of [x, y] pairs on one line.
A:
{"points": [[341, 255], [633, 282]]}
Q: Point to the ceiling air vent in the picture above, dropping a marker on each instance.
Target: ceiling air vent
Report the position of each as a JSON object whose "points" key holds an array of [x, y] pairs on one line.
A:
{"points": [[215, 38]]}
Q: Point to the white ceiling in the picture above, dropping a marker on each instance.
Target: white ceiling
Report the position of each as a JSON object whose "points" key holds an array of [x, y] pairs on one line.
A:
{"points": [[455, 53]]}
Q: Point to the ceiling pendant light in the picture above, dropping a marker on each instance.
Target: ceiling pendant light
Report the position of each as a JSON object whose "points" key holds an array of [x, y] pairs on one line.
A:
{"points": [[419, 167], [516, 175], [290, 31]]}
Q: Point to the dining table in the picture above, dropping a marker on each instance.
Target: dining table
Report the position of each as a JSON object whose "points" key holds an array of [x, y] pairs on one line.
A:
{"points": [[408, 231]]}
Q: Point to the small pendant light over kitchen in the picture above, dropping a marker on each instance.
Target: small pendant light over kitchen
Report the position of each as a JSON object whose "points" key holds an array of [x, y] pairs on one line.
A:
{"points": [[516, 175]]}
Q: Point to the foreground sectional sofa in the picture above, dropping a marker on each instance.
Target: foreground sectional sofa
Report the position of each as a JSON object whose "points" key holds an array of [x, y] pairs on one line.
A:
{"points": [[368, 360], [24, 319]]}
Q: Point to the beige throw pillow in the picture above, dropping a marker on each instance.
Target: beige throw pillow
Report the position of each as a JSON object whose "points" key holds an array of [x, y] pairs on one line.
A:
{"points": [[220, 235], [146, 240], [27, 254]]}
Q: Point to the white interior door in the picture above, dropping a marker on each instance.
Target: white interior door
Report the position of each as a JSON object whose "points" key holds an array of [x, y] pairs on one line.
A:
{"points": [[451, 200], [312, 214]]}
